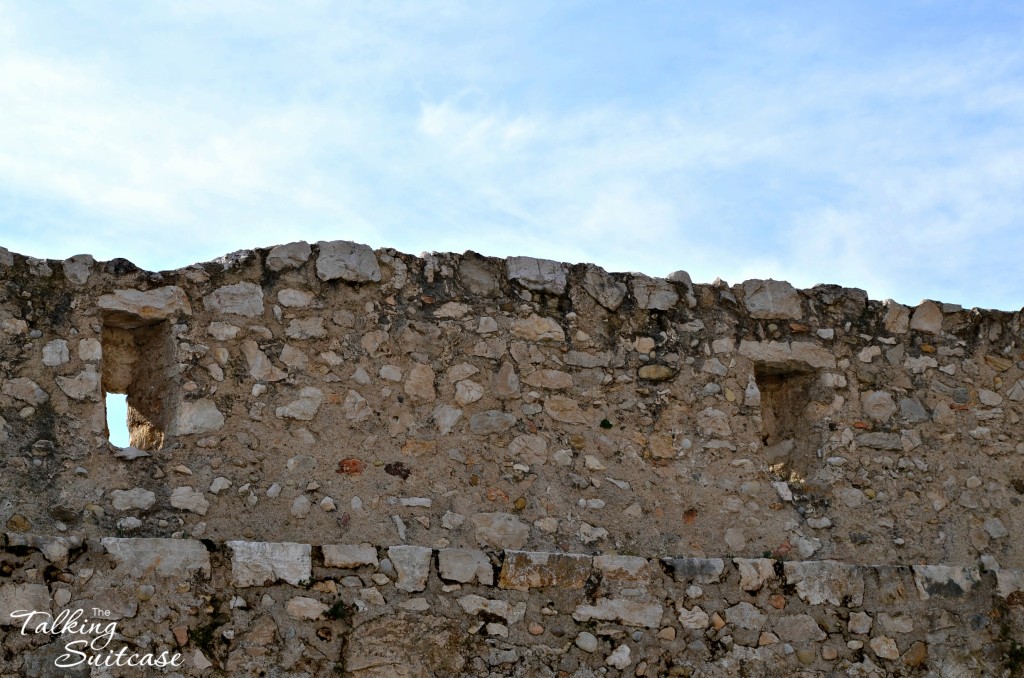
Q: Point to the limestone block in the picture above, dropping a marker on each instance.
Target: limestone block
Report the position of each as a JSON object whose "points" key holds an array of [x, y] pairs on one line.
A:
{"points": [[26, 390], [826, 581], [523, 570], [305, 407], [773, 299], [412, 563], [262, 563], [500, 530], [538, 328], [927, 317], [607, 291], [628, 611], [541, 275], [347, 261], [131, 308], [171, 558], [303, 608], [465, 566], [654, 293], [194, 417], [78, 268], [292, 255], [349, 556], [22, 597]]}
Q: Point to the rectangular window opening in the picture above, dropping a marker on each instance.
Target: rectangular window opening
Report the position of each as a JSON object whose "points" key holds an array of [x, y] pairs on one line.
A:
{"points": [[136, 364]]}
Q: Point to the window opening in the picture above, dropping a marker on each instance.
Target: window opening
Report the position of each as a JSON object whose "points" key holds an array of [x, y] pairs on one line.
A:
{"points": [[136, 365], [117, 419], [786, 429]]}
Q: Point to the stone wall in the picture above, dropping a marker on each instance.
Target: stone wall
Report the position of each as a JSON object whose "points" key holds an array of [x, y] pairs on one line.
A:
{"points": [[861, 460]]}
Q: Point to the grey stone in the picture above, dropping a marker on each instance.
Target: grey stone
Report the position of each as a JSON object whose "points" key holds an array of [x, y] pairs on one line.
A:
{"points": [[22, 597], [913, 411], [795, 356], [500, 530], [605, 290], [132, 308], [349, 556], [541, 275], [654, 293], [26, 390], [880, 441], [292, 255], [305, 407], [877, 405], [55, 353], [771, 299], [945, 581], [78, 268], [135, 498], [491, 421], [798, 628], [170, 558], [188, 499], [83, 386], [348, 261], [586, 641], [412, 563], [242, 298], [196, 416], [697, 570], [826, 581], [927, 317], [465, 566], [262, 563], [628, 611], [745, 616]]}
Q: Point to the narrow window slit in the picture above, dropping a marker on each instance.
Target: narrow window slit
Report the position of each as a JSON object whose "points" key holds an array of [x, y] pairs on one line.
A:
{"points": [[117, 419]]}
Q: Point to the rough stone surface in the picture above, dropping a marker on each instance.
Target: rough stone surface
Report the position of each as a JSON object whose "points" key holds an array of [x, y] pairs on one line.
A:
{"points": [[771, 299], [346, 261], [261, 563]]}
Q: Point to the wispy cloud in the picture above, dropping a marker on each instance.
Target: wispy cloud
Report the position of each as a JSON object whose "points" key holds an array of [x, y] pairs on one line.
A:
{"points": [[728, 143]]}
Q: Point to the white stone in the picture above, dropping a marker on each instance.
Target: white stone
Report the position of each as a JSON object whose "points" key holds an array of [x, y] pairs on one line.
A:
{"points": [[349, 556], [222, 331], [186, 498], [55, 353], [302, 608], [628, 611], [262, 563], [927, 317], [538, 328], [620, 658], [877, 405], [242, 298], [171, 558], [412, 563], [83, 386], [541, 275], [586, 641], [196, 416], [465, 566], [20, 597], [135, 498], [292, 255], [260, 367], [771, 299], [347, 261], [90, 350], [133, 307], [755, 572], [694, 618], [305, 407], [445, 417], [826, 581], [78, 268], [501, 530]]}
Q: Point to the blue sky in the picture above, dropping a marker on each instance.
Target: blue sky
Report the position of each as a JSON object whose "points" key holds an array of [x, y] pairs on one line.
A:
{"points": [[872, 144]]}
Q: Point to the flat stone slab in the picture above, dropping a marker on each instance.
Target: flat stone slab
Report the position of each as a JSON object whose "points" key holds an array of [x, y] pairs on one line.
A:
{"points": [[255, 563], [524, 570], [177, 558]]}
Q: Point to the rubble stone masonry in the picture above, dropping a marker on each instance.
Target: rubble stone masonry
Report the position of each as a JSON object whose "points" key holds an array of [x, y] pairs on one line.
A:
{"points": [[365, 463]]}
